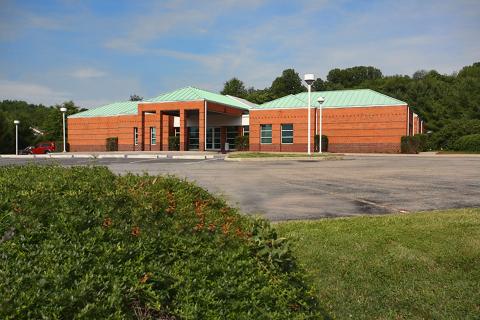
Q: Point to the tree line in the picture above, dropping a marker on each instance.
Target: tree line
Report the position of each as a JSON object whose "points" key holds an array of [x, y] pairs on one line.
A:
{"points": [[37, 123]]}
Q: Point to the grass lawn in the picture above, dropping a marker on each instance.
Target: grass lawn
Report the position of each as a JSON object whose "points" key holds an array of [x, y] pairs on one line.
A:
{"points": [[457, 152], [413, 266], [246, 154]]}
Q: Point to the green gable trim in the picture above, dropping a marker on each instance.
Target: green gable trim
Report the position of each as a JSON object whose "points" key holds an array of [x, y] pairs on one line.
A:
{"points": [[334, 99], [113, 109]]}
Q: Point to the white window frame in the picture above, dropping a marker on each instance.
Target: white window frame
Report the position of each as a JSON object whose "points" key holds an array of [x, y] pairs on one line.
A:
{"points": [[153, 133], [284, 131], [262, 131], [135, 136]]}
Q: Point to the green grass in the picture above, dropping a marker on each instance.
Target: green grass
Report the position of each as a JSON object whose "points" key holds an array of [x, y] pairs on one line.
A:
{"points": [[457, 152], [414, 266], [277, 155]]}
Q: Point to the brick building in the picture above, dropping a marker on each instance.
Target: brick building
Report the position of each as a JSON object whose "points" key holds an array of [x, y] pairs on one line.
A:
{"points": [[353, 120]]}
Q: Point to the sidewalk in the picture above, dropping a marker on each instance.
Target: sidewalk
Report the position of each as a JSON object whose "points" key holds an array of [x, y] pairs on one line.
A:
{"points": [[188, 155]]}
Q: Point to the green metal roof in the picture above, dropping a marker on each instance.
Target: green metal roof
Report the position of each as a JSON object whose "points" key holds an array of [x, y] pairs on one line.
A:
{"points": [[334, 99], [192, 93], [184, 94], [112, 109]]}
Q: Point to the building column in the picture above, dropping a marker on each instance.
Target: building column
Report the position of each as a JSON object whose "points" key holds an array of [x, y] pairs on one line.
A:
{"points": [[165, 128], [142, 133], [183, 130], [201, 128]]}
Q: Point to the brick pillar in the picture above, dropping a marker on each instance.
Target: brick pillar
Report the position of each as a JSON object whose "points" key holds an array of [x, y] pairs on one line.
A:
{"points": [[165, 120], [201, 129], [142, 133], [223, 137], [183, 130]]}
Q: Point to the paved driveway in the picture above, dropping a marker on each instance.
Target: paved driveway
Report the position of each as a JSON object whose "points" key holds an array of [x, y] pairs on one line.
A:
{"points": [[287, 190]]}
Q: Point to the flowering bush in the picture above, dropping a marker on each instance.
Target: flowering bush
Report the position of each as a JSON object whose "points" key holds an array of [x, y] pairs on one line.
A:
{"points": [[82, 242]]}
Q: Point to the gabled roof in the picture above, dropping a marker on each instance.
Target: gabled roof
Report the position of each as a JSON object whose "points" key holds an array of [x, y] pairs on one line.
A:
{"points": [[335, 99], [192, 93], [184, 94], [108, 110]]}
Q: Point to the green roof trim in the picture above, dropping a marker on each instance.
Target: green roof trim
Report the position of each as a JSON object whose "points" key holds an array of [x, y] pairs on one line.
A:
{"points": [[192, 93], [113, 109], [334, 99]]}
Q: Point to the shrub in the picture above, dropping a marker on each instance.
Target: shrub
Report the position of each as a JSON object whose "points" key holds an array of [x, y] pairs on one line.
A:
{"points": [[174, 143], [324, 143], [59, 146], [112, 144], [446, 137], [410, 144], [242, 143], [468, 143], [82, 242]]}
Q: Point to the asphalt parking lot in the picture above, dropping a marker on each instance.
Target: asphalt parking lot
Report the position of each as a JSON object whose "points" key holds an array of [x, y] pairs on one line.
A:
{"points": [[286, 190]]}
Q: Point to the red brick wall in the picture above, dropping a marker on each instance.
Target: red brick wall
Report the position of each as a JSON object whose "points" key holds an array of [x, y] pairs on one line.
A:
{"points": [[90, 134], [361, 129]]}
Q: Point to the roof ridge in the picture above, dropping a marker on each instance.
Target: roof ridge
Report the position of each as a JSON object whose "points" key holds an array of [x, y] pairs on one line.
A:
{"points": [[383, 94]]}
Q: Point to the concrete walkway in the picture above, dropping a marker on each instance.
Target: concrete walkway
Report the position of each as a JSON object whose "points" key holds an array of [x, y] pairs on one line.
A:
{"points": [[187, 155]]}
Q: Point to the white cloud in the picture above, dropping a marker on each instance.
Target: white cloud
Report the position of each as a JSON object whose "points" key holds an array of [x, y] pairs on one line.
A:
{"points": [[88, 73], [32, 92]]}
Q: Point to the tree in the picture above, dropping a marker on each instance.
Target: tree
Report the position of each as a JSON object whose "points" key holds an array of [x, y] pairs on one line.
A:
{"points": [[288, 83], [319, 85], [351, 77], [135, 97], [234, 87]]}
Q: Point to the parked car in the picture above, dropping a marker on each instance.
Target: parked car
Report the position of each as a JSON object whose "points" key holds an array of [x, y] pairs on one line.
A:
{"points": [[40, 148]]}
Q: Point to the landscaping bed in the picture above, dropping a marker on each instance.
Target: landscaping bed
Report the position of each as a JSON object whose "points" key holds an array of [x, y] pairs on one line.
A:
{"points": [[84, 243]]}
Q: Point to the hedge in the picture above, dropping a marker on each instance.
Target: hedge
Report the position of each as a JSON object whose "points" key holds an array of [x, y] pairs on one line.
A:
{"points": [[112, 144], [84, 243], [242, 143], [324, 143], [468, 143], [174, 143]]}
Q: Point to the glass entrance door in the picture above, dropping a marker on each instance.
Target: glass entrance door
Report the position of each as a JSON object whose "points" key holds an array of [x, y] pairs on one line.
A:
{"points": [[213, 138]]}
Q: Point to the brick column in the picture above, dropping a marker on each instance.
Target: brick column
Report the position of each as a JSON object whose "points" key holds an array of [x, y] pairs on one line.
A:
{"points": [[142, 133], [183, 130], [165, 128], [201, 129]]}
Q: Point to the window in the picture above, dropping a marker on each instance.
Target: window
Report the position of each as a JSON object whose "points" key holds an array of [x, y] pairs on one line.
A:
{"points": [[265, 133], [246, 130], [153, 136], [193, 138], [135, 136], [232, 133], [287, 133]]}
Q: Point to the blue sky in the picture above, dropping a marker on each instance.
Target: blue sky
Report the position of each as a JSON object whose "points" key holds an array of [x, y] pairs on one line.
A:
{"points": [[95, 52]]}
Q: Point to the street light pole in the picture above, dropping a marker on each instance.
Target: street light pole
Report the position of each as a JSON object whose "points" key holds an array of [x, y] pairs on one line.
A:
{"points": [[63, 110], [16, 122], [320, 101], [309, 79]]}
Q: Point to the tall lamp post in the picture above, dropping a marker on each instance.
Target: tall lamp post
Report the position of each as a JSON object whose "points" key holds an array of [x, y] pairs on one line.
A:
{"points": [[16, 122], [320, 101], [309, 79], [63, 110]]}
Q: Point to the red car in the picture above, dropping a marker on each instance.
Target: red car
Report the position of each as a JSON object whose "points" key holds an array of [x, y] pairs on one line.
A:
{"points": [[42, 148]]}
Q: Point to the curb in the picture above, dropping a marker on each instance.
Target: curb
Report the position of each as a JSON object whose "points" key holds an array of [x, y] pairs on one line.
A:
{"points": [[313, 159], [106, 156]]}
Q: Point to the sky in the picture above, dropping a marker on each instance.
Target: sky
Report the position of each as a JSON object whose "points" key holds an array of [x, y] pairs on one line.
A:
{"points": [[97, 52]]}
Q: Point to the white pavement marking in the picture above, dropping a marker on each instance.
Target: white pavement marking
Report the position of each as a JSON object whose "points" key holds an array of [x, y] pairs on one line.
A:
{"points": [[113, 156], [142, 156]]}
